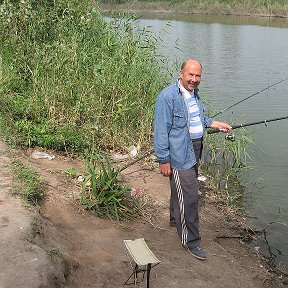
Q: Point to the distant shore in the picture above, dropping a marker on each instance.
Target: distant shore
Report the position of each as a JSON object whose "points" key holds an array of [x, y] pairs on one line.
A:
{"points": [[249, 8]]}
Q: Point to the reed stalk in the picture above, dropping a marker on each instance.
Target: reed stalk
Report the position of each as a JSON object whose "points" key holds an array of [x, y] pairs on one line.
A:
{"points": [[73, 80]]}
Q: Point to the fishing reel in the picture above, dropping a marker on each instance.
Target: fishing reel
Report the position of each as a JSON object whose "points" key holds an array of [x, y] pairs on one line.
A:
{"points": [[230, 137]]}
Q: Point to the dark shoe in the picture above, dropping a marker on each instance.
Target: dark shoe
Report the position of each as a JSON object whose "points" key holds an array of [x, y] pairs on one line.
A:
{"points": [[197, 252], [172, 224]]}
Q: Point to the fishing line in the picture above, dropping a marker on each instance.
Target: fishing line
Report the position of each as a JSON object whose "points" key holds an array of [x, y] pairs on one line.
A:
{"points": [[260, 91]]}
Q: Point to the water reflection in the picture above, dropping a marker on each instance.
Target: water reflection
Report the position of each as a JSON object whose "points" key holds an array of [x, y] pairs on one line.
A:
{"points": [[271, 252]]}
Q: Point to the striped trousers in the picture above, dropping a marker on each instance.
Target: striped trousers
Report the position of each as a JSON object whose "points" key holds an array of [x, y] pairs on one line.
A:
{"points": [[184, 201]]}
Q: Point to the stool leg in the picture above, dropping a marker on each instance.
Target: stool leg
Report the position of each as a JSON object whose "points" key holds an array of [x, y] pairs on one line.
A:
{"points": [[136, 274], [148, 274]]}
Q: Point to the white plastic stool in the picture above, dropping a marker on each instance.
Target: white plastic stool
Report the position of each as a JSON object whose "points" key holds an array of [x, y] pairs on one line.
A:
{"points": [[143, 257]]}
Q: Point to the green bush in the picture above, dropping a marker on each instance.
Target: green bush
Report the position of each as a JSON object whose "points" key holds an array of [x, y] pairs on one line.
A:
{"points": [[224, 161], [72, 79], [103, 193]]}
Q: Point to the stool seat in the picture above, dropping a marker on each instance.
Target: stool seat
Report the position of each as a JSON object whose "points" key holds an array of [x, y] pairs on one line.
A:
{"points": [[140, 252], [142, 256]]}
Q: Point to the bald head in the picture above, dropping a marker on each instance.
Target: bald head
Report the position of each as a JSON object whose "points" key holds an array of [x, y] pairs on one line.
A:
{"points": [[190, 74], [190, 61]]}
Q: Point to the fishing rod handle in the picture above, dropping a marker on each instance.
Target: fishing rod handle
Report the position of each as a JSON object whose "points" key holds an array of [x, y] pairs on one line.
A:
{"points": [[215, 131]]}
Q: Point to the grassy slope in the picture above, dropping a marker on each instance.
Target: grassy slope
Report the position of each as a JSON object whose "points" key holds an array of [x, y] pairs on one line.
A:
{"points": [[72, 81]]}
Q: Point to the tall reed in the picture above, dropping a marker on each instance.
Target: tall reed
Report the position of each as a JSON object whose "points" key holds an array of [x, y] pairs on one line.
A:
{"points": [[104, 194], [223, 163], [72, 79]]}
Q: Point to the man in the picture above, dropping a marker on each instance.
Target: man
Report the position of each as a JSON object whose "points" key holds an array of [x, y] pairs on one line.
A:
{"points": [[178, 132]]}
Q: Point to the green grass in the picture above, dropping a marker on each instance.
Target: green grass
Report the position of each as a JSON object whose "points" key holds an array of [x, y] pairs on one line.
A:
{"points": [[27, 183], [103, 192], [56, 252], [224, 162], [70, 172], [72, 81]]}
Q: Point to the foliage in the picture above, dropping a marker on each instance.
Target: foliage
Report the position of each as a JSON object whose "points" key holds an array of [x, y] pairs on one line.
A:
{"points": [[70, 172], [56, 252], [73, 80], [221, 7], [28, 184], [103, 193], [224, 160]]}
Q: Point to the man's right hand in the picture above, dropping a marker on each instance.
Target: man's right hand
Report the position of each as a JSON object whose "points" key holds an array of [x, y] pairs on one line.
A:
{"points": [[165, 169]]}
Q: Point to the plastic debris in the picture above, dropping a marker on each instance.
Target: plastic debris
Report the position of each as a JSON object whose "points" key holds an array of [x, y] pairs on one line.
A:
{"points": [[202, 178], [133, 151], [256, 249], [42, 155], [80, 178], [136, 192], [118, 156]]}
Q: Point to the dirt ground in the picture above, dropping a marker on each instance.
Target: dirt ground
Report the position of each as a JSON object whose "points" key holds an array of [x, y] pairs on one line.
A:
{"points": [[62, 245]]}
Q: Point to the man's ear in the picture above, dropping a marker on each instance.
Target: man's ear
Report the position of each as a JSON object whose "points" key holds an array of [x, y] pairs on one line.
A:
{"points": [[181, 74]]}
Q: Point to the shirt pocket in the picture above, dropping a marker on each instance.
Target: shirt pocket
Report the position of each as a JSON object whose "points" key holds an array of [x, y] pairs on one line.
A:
{"points": [[179, 119]]}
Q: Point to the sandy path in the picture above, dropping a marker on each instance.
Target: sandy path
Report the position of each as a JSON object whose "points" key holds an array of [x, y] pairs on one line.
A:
{"points": [[22, 264], [90, 251]]}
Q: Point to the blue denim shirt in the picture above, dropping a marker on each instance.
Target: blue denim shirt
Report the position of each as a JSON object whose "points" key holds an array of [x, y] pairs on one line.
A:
{"points": [[172, 142]]}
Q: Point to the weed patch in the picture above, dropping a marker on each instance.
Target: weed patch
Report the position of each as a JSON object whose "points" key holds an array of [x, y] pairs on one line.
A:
{"points": [[27, 183], [224, 161], [103, 192]]}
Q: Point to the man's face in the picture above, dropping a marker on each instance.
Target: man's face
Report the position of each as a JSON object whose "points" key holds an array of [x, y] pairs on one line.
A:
{"points": [[190, 76]]}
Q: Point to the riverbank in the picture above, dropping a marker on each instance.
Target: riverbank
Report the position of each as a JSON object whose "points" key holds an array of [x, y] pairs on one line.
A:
{"points": [[248, 8], [82, 250]]}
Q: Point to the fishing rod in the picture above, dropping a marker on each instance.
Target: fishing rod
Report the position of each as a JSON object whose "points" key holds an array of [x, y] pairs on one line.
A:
{"points": [[249, 124], [260, 91], [230, 137], [137, 160]]}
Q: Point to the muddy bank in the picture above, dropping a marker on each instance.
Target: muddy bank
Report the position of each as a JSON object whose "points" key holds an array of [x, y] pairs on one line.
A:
{"points": [[74, 248]]}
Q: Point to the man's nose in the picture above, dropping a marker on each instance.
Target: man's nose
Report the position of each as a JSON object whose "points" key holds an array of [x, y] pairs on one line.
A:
{"points": [[194, 78]]}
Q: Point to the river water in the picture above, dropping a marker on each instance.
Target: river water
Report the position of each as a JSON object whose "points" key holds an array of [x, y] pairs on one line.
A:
{"points": [[241, 56]]}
